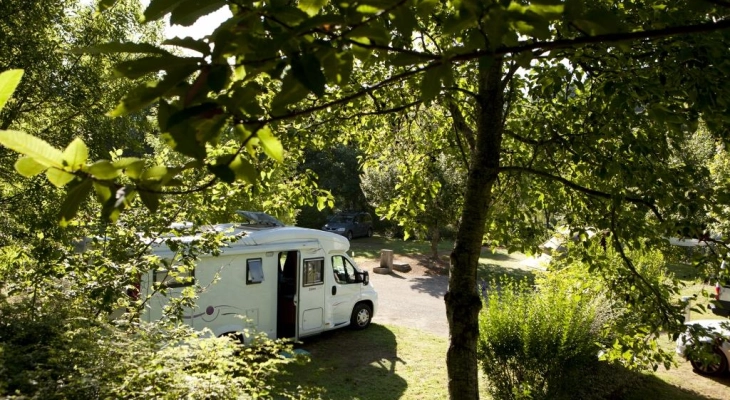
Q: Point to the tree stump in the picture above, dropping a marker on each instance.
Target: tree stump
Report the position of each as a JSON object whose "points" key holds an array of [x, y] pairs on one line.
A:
{"points": [[386, 262]]}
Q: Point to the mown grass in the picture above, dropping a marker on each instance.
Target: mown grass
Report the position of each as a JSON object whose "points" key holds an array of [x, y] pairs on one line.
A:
{"points": [[380, 362], [389, 362], [370, 247]]}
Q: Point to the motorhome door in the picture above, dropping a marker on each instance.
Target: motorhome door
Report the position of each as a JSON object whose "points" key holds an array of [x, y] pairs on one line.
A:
{"points": [[310, 307]]}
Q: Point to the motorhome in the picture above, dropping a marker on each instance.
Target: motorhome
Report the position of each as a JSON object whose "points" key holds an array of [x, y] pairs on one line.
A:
{"points": [[287, 282]]}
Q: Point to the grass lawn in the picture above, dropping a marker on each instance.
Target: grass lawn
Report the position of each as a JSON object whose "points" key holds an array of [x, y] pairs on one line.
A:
{"points": [[390, 362], [380, 362], [393, 362]]}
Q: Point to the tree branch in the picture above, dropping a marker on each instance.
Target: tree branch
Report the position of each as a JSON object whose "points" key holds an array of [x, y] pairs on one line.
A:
{"points": [[465, 91], [346, 99], [585, 190], [663, 305], [460, 124]]}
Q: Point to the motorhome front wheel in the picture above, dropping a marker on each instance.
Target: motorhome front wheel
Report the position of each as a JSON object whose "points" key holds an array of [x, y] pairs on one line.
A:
{"points": [[361, 315]]}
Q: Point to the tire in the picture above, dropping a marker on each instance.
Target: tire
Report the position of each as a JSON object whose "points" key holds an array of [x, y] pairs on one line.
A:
{"points": [[362, 314], [714, 369], [348, 235], [370, 232]]}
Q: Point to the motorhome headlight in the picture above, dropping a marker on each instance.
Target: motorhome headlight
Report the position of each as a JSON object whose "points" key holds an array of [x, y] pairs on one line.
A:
{"points": [[340, 229]]}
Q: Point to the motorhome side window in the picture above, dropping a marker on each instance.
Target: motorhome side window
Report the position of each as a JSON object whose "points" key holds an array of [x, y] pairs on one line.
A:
{"points": [[254, 271], [313, 272], [344, 270], [177, 276]]}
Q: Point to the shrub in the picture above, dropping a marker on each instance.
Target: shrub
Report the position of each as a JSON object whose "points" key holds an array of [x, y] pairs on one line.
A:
{"points": [[536, 344], [630, 320], [61, 354]]}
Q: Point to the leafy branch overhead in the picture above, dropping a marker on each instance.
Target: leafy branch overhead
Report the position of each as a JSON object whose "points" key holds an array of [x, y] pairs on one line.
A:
{"points": [[577, 108], [274, 62]]}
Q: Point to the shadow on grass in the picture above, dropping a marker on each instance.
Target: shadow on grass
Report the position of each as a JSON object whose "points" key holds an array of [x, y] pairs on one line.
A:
{"points": [[347, 364], [651, 386]]}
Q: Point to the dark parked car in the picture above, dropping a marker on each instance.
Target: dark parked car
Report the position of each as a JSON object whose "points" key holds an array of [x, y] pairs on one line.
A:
{"points": [[350, 224]]}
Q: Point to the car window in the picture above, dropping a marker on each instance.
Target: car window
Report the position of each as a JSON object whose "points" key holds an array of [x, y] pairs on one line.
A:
{"points": [[343, 270]]}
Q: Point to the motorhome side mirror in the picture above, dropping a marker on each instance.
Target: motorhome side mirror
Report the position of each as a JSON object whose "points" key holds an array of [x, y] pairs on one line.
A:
{"points": [[365, 278]]}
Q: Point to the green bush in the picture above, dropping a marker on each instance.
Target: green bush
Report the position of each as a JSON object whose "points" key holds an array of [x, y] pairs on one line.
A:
{"points": [[56, 353], [536, 344], [630, 319]]}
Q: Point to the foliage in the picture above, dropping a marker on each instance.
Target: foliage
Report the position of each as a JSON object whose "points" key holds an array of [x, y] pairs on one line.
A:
{"points": [[537, 345], [609, 93], [337, 171], [629, 328], [60, 353]]}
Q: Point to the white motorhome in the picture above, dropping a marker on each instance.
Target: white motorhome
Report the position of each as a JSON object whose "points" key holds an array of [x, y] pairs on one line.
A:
{"points": [[283, 281]]}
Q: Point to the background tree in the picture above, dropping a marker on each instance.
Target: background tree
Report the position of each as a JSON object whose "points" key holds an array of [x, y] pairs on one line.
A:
{"points": [[610, 89], [338, 171]]}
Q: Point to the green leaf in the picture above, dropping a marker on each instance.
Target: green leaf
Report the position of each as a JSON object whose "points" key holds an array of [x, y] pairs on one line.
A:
{"points": [[28, 167], [271, 145], [405, 21], [431, 84], [143, 95], [118, 202], [105, 5], [159, 8], [189, 43], [140, 67], [103, 192], [377, 33], [291, 92], [31, 146], [223, 172], [76, 154], [523, 59], [76, 195], [218, 77], [59, 178], [547, 10], [154, 173], [131, 166], [9, 80], [103, 170], [189, 11], [243, 169], [311, 7], [597, 22], [117, 47], [205, 110], [151, 199], [405, 59], [183, 139], [307, 70]]}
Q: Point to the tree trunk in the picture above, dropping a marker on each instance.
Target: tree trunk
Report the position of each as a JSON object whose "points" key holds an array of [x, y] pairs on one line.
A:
{"points": [[435, 238], [462, 300]]}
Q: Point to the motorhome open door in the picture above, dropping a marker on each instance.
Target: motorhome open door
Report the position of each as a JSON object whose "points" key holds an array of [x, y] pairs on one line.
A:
{"points": [[310, 307]]}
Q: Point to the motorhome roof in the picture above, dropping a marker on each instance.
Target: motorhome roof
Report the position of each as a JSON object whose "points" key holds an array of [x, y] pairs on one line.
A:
{"points": [[271, 239]]}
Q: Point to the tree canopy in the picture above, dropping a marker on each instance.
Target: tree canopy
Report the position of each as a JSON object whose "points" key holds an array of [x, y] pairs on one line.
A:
{"points": [[570, 107]]}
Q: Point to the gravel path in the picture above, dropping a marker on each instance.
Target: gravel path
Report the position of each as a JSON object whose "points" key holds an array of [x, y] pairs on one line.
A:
{"points": [[409, 300]]}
